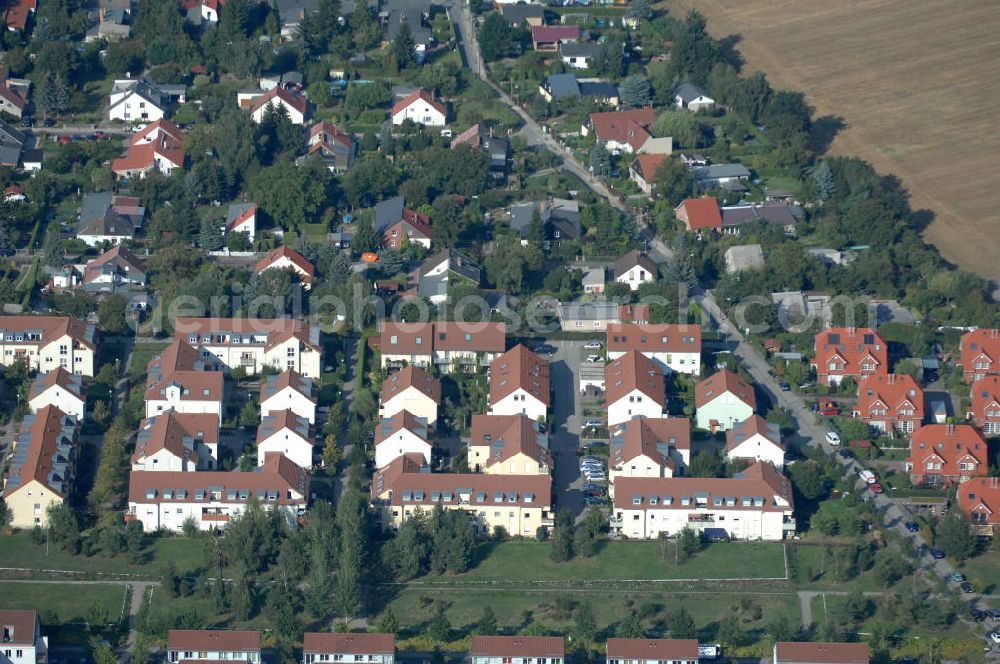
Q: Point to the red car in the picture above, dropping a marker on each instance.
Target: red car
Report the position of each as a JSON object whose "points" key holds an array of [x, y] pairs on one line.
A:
{"points": [[876, 488], [64, 140], [830, 411]]}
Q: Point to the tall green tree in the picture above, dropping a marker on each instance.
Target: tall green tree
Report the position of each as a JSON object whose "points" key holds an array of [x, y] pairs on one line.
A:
{"points": [[636, 91]]}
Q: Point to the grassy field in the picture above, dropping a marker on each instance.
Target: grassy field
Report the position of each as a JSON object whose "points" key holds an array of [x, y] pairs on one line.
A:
{"points": [[524, 563], [65, 607], [984, 572], [141, 355], [18, 551], [912, 81]]}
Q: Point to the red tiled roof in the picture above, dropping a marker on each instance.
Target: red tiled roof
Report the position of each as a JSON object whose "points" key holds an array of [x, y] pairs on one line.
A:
{"points": [[167, 432], [20, 627], [982, 346], [277, 330], [13, 97], [698, 213], [470, 135], [981, 496], [646, 165], [508, 436], [419, 93], [298, 102], [44, 432], [985, 399], [242, 217], [178, 356], [653, 649], [117, 253], [226, 640], [51, 327], [654, 338], [633, 371], [634, 313], [519, 368], [161, 138], [18, 12], [517, 646], [278, 474], [326, 131], [295, 257], [891, 392], [643, 436], [554, 33], [193, 385], [411, 377], [755, 425], [719, 383], [850, 346], [349, 643], [760, 479], [620, 126], [288, 378], [949, 445], [482, 336], [789, 652]]}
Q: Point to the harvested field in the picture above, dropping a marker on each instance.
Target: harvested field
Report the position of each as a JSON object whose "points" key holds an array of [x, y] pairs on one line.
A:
{"points": [[915, 82]]}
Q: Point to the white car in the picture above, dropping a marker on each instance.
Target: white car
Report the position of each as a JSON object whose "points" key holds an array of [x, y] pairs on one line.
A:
{"points": [[594, 358], [832, 438], [596, 477], [593, 424], [593, 345], [868, 476], [995, 637]]}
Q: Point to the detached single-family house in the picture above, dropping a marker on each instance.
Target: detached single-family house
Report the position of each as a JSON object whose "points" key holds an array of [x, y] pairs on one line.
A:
{"points": [[134, 101], [560, 219], [289, 390], [691, 97], [729, 177], [183, 442], [560, 87], [756, 439], [47, 343], [776, 214], [411, 389], [649, 447], [403, 433], [439, 272], [626, 131], [284, 432], [41, 467], [984, 407], [159, 146], [673, 347], [943, 454], [523, 14], [260, 105], [579, 55], [979, 498], [848, 352], [337, 148], [286, 258], [634, 387], [755, 504], [242, 218], [116, 267], [581, 316], [420, 107], [166, 500], [478, 137], [105, 217], [643, 169], [13, 100], [635, 269], [700, 214], [508, 445], [61, 389], [890, 404], [399, 226], [594, 280], [979, 354], [281, 343], [549, 37], [519, 384], [238, 646], [722, 400]]}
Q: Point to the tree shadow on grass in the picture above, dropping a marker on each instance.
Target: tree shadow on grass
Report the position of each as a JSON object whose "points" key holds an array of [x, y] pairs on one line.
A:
{"points": [[729, 52], [824, 129]]}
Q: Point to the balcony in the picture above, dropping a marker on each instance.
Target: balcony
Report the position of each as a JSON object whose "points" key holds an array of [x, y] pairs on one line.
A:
{"points": [[701, 519], [215, 518]]}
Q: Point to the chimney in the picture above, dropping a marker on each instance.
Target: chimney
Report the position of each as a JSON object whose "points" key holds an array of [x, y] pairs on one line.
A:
{"points": [[994, 333], [892, 379], [949, 429]]}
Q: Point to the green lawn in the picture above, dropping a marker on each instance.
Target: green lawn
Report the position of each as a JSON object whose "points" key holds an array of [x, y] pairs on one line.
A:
{"points": [[832, 603], [18, 551], [984, 572], [526, 563], [64, 608], [141, 355]]}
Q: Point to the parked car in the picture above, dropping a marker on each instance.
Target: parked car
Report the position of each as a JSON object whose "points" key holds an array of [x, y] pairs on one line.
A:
{"points": [[593, 424], [26, 121], [868, 476], [937, 554], [913, 526], [591, 465], [544, 349], [876, 488], [65, 140], [595, 358], [832, 438], [967, 587], [593, 501], [845, 454], [593, 345], [829, 411], [785, 387], [995, 637], [49, 122]]}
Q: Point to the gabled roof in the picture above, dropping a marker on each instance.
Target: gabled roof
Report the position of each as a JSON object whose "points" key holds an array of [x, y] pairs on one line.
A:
{"points": [[283, 419], [778, 214], [42, 452], [178, 356], [516, 369], [239, 213], [49, 328], [510, 435], [117, 256], [402, 482], [230, 640], [194, 386], [649, 437], [578, 50], [298, 102], [349, 643], [758, 488], [853, 345], [289, 378], [699, 213], [517, 646], [176, 433], [794, 652], [622, 126], [976, 343], [239, 331], [755, 425], [653, 649], [12, 96], [57, 378], [982, 495], [892, 390], [952, 444], [329, 132], [719, 383], [688, 92], [554, 33], [419, 93], [275, 483], [486, 336], [985, 392], [403, 420], [631, 260], [645, 165], [20, 625], [517, 13], [297, 259], [411, 377], [654, 337], [633, 371]]}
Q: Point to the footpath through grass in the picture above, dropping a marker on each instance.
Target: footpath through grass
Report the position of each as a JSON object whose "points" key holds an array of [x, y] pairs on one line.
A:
{"points": [[517, 564]]}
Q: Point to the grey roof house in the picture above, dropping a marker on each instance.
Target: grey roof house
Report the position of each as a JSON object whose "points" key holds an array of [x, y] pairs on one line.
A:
{"points": [[777, 214], [725, 176], [560, 217], [588, 316], [523, 13], [442, 269]]}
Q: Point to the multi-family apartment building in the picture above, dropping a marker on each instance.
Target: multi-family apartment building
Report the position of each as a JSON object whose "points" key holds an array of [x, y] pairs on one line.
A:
{"points": [[348, 648], [848, 352], [673, 347], [517, 650], [402, 434], [61, 389], [519, 383], [652, 651], [47, 343], [801, 652], [252, 344], [411, 389], [445, 344], [177, 442], [189, 392], [284, 432], [289, 390], [755, 439], [890, 404], [649, 447], [633, 387], [722, 400], [942, 454], [213, 645], [165, 500], [508, 445], [21, 640]]}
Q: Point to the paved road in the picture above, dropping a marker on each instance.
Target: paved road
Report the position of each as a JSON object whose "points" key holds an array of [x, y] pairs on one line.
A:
{"points": [[564, 428]]}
